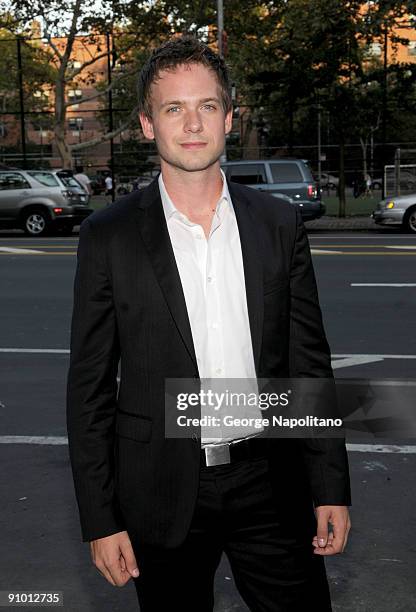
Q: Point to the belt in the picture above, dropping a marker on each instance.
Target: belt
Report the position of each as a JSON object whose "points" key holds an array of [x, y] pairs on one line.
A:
{"points": [[221, 454]]}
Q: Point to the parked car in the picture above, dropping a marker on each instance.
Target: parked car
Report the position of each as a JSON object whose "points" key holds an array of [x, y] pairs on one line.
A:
{"points": [[329, 181], [66, 177], [399, 211], [407, 180], [126, 184], [288, 179], [39, 201]]}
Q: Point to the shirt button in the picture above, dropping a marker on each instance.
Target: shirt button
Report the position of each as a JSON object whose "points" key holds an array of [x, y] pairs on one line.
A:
{"points": [[210, 279], [218, 371], [198, 236]]}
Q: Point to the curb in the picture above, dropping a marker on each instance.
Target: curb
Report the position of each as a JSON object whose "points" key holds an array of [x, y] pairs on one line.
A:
{"points": [[356, 223]]}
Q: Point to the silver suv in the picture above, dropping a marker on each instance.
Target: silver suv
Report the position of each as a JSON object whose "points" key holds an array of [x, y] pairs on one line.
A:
{"points": [[288, 179], [38, 201]]}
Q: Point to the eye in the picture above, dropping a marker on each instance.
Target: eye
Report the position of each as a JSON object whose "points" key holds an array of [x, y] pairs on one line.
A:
{"points": [[209, 106], [172, 109]]}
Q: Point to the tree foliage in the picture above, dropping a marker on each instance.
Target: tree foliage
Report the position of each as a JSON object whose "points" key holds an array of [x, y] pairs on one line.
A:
{"points": [[289, 61]]}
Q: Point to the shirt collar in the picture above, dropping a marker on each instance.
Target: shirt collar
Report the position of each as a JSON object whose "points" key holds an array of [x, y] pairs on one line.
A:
{"points": [[170, 209]]}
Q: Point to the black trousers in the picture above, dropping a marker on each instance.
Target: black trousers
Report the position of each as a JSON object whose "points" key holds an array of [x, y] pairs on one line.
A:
{"points": [[270, 552]]}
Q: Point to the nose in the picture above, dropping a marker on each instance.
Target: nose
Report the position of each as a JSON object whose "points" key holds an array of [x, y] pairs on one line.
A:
{"points": [[193, 122]]}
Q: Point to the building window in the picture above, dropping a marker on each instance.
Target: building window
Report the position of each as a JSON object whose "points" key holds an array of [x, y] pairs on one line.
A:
{"points": [[74, 64], [374, 49], [41, 93], [411, 49], [74, 94], [76, 123]]}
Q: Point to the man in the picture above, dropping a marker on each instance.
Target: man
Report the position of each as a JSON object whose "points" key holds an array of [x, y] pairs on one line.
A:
{"points": [[194, 278], [109, 186], [83, 179]]}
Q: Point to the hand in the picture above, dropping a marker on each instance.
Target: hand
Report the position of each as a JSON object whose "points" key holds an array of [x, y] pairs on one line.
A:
{"points": [[113, 556], [334, 542]]}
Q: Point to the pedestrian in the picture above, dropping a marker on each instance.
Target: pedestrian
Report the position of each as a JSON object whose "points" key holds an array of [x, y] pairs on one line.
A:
{"points": [[368, 184], [109, 191], [355, 185], [83, 179], [195, 278]]}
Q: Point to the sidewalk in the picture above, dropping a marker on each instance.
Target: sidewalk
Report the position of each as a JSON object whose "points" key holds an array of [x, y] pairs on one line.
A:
{"points": [[355, 223]]}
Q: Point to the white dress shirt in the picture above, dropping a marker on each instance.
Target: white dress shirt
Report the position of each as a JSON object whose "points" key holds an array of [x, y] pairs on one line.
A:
{"points": [[212, 276]]}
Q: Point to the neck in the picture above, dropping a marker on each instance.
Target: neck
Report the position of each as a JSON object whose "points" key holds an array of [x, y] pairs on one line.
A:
{"points": [[193, 192]]}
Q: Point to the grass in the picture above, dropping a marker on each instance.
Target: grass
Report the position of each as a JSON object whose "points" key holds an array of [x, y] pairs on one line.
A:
{"points": [[354, 206], [360, 206], [98, 201]]}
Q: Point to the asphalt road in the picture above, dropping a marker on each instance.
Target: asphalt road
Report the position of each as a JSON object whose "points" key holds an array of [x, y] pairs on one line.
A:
{"points": [[367, 286]]}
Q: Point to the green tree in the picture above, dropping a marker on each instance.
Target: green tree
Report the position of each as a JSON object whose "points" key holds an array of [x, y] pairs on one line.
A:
{"points": [[310, 54], [37, 74], [88, 21]]}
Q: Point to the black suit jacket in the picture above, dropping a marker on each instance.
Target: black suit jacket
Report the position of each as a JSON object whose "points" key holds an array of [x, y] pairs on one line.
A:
{"points": [[129, 306]]}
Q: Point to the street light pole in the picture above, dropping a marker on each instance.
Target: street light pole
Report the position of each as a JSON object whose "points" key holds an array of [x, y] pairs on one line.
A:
{"points": [[110, 48], [21, 101], [220, 30], [384, 112], [319, 147], [79, 124], [220, 22]]}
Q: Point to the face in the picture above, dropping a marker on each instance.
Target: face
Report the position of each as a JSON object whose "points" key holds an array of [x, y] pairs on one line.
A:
{"points": [[188, 121]]}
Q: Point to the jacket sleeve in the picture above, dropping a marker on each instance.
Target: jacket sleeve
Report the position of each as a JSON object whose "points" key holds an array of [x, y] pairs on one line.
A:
{"points": [[92, 389], [326, 459]]}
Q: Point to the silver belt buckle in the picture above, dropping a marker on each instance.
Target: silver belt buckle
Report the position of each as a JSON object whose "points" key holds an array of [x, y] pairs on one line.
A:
{"points": [[217, 455]]}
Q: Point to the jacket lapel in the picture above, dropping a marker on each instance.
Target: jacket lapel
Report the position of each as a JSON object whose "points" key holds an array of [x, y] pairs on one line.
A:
{"points": [[253, 269], [155, 235]]}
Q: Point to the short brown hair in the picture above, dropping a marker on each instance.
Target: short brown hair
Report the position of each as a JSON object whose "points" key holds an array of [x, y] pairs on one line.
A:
{"points": [[181, 50]]}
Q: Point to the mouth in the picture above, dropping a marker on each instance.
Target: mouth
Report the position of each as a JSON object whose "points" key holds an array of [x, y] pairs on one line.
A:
{"points": [[193, 145]]}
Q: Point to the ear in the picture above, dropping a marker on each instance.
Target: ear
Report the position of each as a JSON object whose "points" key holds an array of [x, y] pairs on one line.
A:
{"points": [[228, 121], [147, 126]]}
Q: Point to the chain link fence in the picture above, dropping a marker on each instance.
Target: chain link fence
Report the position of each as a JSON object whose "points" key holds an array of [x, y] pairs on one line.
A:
{"points": [[27, 118]]}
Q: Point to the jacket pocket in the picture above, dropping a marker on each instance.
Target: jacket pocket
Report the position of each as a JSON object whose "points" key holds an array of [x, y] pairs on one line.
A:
{"points": [[133, 426]]}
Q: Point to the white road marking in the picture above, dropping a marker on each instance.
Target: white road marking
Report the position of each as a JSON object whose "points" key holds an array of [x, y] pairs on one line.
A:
{"points": [[338, 360], [405, 246], [323, 252], [347, 362], [383, 284], [392, 383], [372, 465], [342, 356], [356, 236], [355, 448], [53, 440], [381, 448], [30, 350], [18, 251]]}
